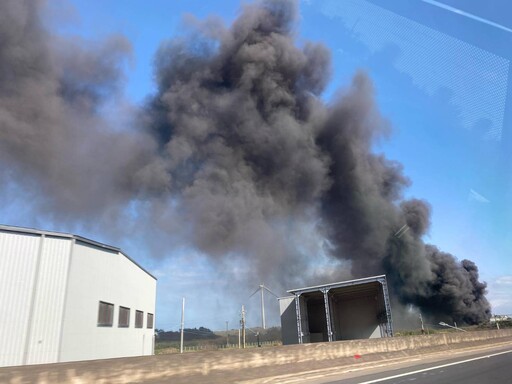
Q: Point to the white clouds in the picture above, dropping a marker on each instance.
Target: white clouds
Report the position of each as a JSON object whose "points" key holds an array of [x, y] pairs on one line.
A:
{"points": [[500, 295], [505, 280]]}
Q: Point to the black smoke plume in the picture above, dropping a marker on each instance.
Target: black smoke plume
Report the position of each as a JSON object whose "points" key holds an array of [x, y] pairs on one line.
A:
{"points": [[236, 146]]}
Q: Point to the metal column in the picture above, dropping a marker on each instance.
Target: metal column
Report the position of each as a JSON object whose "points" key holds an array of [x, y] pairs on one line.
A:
{"points": [[389, 327], [325, 291], [299, 318]]}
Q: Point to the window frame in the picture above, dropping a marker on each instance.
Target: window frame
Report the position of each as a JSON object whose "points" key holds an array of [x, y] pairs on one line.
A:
{"points": [[127, 325], [137, 325], [109, 322], [150, 325]]}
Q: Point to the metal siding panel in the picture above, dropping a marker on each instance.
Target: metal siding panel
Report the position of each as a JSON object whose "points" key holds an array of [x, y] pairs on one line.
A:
{"points": [[18, 257], [49, 302], [117, 280], [288, 320]]}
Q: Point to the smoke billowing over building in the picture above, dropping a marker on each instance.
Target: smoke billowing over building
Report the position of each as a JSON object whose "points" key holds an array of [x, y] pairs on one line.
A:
{"points": [[236, 155]]}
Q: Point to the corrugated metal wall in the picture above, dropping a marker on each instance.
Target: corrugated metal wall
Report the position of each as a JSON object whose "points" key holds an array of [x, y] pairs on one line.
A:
{"points": [[43, 345], [18, 261], [50, 287]]}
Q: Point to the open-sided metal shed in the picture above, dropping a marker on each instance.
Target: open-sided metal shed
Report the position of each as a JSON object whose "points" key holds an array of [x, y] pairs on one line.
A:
{"points": [[354, 309]]}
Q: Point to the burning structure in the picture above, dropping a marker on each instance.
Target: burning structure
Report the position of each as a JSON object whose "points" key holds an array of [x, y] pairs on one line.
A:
{"points": [[355, 309], [235, 155]]}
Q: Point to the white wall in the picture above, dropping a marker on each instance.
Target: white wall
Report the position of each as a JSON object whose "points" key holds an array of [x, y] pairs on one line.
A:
{"points": [[98, 275], [288, 313], [18, 260], [50, 288], [48, 304]]}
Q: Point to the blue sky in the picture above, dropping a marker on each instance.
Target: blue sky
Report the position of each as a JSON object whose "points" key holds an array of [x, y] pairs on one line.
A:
{"points": [[441, 78]]}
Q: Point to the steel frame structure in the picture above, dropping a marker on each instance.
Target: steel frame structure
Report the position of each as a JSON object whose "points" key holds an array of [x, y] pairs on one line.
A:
{"points": [[325, 289]]}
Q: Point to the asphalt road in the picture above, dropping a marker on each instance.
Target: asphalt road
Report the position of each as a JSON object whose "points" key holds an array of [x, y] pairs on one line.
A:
{"points": [[481, 369]]}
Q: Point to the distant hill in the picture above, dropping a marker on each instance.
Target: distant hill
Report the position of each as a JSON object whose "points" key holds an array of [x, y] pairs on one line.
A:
{"points": [[189, 334]]}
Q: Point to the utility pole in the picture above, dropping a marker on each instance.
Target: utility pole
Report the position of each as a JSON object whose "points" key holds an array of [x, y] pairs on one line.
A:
{"points": [[243, 325], [239, 339], [227, 334], [182, 323]]}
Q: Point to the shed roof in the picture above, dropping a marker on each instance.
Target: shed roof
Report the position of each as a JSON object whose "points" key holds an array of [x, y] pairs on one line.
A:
{"points": [[341, 284]]}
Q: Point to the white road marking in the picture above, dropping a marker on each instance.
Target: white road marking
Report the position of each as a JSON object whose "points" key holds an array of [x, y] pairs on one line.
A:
{"points": [[436, 367]]}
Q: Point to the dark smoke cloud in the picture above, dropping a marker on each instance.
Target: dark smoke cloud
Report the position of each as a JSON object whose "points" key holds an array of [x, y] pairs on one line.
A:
{"points": [[52, 91], [370, 224], [236, 147]]}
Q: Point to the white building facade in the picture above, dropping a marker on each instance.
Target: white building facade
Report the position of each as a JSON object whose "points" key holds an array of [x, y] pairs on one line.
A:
{"points": [[67, 298]]}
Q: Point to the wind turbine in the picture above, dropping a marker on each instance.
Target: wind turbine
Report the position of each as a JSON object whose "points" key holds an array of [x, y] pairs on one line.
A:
{"points": [[262, 290]]}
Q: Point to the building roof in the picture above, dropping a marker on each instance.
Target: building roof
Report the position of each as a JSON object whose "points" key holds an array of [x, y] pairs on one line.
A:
{"points": [[32, 231], [340, 284]]}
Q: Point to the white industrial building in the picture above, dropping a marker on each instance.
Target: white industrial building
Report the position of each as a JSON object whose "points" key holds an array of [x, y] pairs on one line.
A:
{"points": [[67, 298]]}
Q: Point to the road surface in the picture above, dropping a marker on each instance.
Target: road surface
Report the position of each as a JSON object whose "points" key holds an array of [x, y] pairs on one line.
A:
{"points": [[482, 368]]}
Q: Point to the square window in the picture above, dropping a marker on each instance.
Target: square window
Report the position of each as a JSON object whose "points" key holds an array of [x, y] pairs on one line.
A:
{"points": [[105, 314], [124, 317], [139, 319]]}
